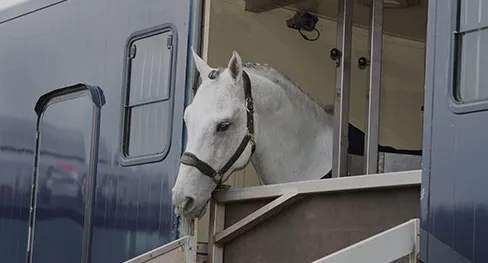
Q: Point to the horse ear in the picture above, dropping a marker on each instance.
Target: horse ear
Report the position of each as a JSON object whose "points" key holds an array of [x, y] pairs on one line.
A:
{"points": [[202, 66], [235, 66]]}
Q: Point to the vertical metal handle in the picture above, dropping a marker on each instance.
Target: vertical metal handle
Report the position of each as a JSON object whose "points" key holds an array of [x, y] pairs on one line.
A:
{"points": [[342, 89], [98, 100]]}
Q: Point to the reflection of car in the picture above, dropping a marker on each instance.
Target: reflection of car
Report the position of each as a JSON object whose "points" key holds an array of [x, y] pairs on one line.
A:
{"points": [[63, 184], [63, 180]]}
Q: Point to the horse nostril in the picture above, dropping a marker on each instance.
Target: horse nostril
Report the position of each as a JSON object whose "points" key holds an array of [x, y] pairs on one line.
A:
{"points": [[188, 204]]}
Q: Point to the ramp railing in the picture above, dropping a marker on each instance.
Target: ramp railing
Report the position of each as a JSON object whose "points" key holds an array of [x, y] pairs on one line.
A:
{"points": [[387, 246], [179, 251]]}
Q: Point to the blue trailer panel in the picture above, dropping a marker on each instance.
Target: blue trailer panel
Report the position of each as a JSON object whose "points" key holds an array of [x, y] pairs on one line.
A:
{"points": [[454, 196], [136, 51]]}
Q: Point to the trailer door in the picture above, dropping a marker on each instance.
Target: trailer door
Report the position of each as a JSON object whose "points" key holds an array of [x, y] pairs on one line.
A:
{"points": [[455, 166], [65, 168]]}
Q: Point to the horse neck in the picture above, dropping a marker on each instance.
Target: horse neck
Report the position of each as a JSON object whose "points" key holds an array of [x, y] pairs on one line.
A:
{"points": [[293, 135]]}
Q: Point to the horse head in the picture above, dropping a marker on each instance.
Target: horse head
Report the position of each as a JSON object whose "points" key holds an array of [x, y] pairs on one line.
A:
{"points": [[220, 127]]}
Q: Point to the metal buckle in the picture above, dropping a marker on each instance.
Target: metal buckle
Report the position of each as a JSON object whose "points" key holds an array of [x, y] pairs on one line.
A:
{"points": [[251, 136], [249, 105]]}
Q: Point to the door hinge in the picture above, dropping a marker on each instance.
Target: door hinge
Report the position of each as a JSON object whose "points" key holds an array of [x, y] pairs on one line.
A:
{"points": [[132, 51], [169, 42]]}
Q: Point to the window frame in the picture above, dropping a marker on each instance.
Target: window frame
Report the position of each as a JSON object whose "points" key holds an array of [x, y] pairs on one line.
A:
{"points": [[125, 158], [456, 105]]}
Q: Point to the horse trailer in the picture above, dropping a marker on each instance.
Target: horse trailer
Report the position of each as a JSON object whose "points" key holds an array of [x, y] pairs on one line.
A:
{"points": [[359, 142]]}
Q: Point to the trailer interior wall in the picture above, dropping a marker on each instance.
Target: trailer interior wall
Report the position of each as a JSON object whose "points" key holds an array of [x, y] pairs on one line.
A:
{"points": [[264, 38]]}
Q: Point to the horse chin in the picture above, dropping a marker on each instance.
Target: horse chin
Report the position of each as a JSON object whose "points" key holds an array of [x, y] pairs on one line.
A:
{"points": [[192, 214]]}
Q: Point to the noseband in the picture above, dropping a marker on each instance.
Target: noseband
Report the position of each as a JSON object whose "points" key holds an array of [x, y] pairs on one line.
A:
{"points": [[191, 159]]}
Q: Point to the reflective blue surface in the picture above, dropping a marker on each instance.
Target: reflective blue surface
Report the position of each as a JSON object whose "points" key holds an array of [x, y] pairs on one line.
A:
{"points": [[62, 180], [72, 42], [455, 196]]}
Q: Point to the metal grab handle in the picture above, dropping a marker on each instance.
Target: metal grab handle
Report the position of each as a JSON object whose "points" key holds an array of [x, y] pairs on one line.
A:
{"points": [[70, 92]]}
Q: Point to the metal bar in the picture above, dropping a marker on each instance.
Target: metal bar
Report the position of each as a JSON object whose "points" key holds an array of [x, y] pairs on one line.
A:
{"points": [[386, 180], [185, 241], [195, 238], [188, 226], [255, 218], [400, 241], [476, 29], [342, 89], [190, 249], [145, 102], [44, 101], [33, 199], [412, 258], [373, 112], [90, 186], [206, 28], [198, 38], [217, 224]]}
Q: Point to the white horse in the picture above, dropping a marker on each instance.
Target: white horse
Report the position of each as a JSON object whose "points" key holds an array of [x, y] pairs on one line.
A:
{"points": [[292, 134]]}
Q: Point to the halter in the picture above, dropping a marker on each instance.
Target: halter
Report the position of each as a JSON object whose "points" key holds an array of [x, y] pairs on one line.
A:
{"points": [[191, 159]]}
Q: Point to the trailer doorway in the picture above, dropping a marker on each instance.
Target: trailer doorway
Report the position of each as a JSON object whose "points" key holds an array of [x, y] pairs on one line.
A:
{"points": [[259, 32]]}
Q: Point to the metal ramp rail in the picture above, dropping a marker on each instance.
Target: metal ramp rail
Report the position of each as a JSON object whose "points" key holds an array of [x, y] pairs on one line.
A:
{"points": [[400, 241], [388, 246], [179, 251]]}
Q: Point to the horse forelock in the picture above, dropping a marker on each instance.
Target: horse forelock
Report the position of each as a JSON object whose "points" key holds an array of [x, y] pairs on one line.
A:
{"points": [[262, 69], [215, 73]]}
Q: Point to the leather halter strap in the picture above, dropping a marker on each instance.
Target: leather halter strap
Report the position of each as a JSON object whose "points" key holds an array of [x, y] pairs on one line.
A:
{"points": [[192, 160]]}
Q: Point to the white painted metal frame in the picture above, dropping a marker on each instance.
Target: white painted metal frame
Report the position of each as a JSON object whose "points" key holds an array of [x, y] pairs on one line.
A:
{"points": [[285, 195], [342, 88], [383, 180], [199, 41], [371, 134], [186, 244], [217, 225], [255, 218], [387, 246]]}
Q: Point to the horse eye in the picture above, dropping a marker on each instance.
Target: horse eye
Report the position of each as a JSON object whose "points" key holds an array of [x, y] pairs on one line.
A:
{"points": [[223, 126]]}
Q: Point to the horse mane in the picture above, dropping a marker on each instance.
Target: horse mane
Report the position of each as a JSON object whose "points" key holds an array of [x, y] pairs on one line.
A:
{"points": [[266, 71], [274, 75]]}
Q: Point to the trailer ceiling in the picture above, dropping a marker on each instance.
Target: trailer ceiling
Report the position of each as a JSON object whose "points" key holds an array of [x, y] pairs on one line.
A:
{"points": [[397, 21]]}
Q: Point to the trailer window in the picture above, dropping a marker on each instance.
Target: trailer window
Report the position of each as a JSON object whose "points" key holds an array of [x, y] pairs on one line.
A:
{"points": [[472, 56], [148, 109]]}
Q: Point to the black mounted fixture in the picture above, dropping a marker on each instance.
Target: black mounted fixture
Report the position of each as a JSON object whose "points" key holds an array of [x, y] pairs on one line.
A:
{"points": [[303, 20]]}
